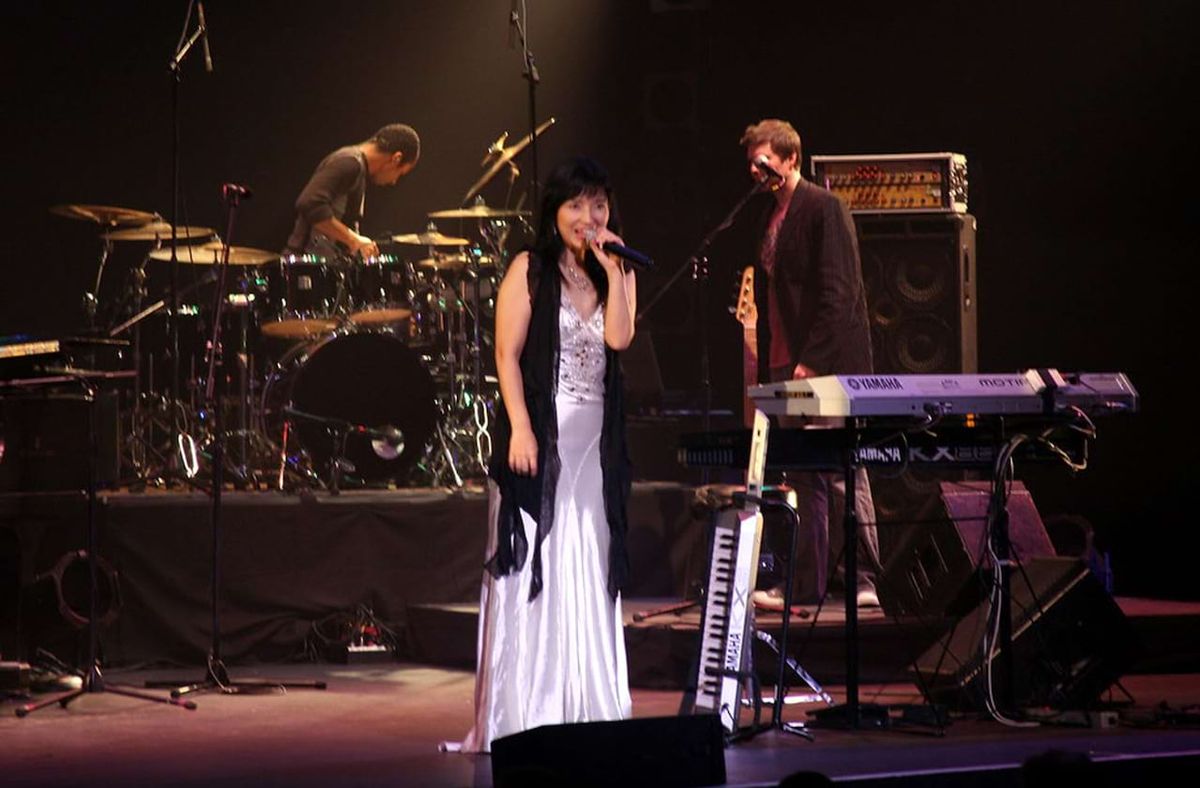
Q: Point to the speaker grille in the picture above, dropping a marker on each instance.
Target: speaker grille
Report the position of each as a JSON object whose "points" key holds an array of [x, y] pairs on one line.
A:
{"points": [[919, 272]]}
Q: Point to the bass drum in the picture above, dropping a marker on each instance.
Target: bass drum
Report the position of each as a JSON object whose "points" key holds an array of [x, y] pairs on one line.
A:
{"points": [[369, 379]]}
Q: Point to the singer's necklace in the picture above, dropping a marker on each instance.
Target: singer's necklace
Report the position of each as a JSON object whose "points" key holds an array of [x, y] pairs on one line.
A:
{"points": [[576, 276]]}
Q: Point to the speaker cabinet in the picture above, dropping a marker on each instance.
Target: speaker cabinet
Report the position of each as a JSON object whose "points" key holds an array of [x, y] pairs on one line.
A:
{"points": [[931, 567], [1070, 643], [919, 271], [682, 751], [44, 441]]}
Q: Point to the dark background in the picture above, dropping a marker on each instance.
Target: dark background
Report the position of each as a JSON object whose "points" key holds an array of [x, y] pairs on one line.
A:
{"points": [[1077, 121]]}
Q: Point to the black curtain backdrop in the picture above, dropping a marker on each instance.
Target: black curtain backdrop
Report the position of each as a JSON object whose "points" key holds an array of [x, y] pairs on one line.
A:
{"points": [[1075, 118]]}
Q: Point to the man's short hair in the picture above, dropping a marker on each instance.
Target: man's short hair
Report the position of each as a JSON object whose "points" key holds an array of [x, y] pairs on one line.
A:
{"points": [[784, 139], [397, 137]]}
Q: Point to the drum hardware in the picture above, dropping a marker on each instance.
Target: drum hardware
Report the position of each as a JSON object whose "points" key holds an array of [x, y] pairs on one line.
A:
{"points": [[157, 231], [210, 254], [381, 291], [386, 441], [431, 237], [304, 292], [370, 378], [111, 216], [503, 158], [479, 212]]}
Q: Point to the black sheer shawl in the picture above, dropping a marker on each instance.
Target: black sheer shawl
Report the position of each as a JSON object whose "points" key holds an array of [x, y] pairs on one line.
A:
{"points": [[535, 494]]}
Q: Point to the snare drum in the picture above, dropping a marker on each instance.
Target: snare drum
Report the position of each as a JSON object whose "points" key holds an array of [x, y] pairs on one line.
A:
{"points": [[381, 290], [302, 296]]}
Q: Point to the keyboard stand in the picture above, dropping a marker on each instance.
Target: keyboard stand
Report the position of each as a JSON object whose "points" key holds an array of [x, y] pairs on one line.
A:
{"points": [[780, 647]]}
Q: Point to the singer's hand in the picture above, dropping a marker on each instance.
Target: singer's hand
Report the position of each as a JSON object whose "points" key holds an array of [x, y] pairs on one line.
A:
{"points": [[522, 452], [610, 263]]}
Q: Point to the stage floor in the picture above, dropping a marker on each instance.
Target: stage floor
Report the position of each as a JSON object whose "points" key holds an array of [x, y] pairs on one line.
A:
{"points": [[381, 725]]}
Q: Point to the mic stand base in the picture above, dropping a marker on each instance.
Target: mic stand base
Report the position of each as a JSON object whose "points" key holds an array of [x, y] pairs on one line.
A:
{"points": [[93, 682], [217, 679]]}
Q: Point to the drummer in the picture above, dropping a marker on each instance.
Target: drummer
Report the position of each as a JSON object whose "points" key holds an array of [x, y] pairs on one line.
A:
{"points": [[330, 207]]}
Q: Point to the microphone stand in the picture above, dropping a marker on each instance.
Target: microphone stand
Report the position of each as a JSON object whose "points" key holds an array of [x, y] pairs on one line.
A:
{"points": [[216, 676], [92, 680], [698, 263], [339, 430], [520, 22], [185, 44]]}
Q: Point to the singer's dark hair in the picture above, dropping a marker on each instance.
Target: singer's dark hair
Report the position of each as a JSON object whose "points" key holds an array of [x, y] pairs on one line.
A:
{"points": [[784, 139], [576, 176], [398, 138]]}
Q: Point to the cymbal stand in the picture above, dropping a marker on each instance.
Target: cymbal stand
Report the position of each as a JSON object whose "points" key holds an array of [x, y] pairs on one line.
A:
{"points": [[93, 680], [91, 299]]}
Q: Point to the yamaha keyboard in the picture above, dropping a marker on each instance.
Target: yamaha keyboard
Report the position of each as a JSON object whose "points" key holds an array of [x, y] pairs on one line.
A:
{"points": [[948, 421], [1045, 391], [953, 444]]}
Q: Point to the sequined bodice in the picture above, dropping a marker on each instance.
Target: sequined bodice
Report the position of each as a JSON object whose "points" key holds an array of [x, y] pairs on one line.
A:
{"points": [[581, 353]]}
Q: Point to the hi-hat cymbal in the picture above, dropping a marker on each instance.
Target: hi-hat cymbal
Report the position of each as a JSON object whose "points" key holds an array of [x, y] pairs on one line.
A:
{"points": [[210, 253], [477, 212], [157, 231], [110, 215], [429, 238]]}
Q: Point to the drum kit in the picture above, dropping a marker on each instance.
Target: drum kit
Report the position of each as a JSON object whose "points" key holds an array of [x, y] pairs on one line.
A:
{"points": [[332, 371]]}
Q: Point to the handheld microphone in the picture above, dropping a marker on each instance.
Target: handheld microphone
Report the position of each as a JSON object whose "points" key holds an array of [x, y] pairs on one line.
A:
{"points": [[763, 165], [639, 259], [236, 190], [204, 34]]}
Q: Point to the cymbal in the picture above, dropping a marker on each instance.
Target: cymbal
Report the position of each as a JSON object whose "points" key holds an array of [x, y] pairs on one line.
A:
{"points": [[455, 262], [111, 215], [429, 238], [156, 232], [209, 253], [504, 158], [477, 212]]}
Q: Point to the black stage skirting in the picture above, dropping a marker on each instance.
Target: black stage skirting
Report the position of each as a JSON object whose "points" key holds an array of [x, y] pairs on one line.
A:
{"points": [[289, 561]]}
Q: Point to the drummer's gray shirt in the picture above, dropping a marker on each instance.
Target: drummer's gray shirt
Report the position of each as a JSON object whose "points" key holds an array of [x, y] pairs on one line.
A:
{"points": [[337, 188]]}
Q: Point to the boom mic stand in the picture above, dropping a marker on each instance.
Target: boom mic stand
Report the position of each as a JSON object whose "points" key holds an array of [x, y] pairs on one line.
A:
{"points": [[184, 45], [93, 680], [519, 23], [216, 676], [698, 263]]}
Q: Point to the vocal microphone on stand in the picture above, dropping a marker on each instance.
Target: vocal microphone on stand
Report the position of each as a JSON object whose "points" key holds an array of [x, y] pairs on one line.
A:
{"points": [[763, 165], [236, 190]]}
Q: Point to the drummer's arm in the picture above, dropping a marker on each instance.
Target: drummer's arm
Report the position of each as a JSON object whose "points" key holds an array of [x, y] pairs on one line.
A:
{"points": [[513, 312], [357, 244], [315, 203]]}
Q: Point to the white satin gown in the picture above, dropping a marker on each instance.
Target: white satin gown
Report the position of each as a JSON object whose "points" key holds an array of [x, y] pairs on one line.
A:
{"points": [[561, 657]]}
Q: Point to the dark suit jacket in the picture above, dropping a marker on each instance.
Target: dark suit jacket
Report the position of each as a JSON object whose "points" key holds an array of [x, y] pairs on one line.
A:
{"points": [[818, 281]]}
